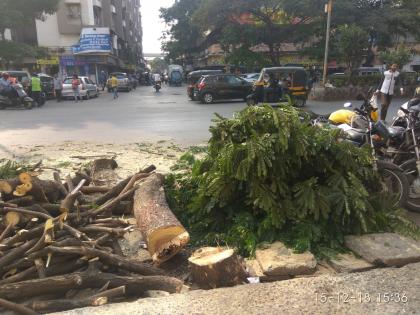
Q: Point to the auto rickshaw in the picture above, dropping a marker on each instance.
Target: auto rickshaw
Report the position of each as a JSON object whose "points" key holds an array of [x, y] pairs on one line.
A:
{"points": [[293, 86]]}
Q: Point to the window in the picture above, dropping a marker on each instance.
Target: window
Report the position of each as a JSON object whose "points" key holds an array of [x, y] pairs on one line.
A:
{"points": [[73, 10], [233, 80]]}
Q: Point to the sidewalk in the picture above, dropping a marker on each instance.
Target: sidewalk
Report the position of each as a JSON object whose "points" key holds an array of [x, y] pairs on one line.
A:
{"points": [[390, 291]]}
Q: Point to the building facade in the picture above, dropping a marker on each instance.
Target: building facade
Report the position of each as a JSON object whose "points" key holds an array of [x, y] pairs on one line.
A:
{"points": [[61, 32]]}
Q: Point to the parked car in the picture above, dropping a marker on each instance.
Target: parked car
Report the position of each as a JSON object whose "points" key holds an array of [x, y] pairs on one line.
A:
{"points": [[195, 76], [22, 76], [368, 71], [222, 86], [124, 83], [87, 88], [251, 77], [47, 85]]}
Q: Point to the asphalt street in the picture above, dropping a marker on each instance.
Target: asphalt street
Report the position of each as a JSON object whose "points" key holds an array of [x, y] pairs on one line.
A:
{"points": [[141, 115]]}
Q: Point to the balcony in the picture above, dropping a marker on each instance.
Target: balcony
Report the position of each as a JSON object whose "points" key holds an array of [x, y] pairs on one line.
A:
{"points": [[97, 3], [72, 1]]}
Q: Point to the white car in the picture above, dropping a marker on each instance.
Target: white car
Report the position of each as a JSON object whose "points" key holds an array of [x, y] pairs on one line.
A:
{"points": [[251, 77], [87, 88]]}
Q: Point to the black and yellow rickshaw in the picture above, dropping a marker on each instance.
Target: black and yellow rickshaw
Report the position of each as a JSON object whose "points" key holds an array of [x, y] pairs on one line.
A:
{"points": [[293, 86]]}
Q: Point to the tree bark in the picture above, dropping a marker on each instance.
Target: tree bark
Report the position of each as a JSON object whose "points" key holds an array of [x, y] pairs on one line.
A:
{"points": [[116, 190], [19, 309], [109, 259], [216, 267], [164, 234], [60, 284], [64, 305]]}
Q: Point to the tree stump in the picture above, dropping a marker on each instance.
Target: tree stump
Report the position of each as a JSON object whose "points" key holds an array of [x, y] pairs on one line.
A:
{"points": [[216, 267], [164, 234]]}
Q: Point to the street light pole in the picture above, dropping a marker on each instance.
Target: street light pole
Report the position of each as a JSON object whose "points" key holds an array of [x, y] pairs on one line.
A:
{"points": [[327, 41]]}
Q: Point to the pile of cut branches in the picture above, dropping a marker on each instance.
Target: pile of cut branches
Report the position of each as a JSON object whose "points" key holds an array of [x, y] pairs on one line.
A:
{"points": [[58, 243], [270, 175]]}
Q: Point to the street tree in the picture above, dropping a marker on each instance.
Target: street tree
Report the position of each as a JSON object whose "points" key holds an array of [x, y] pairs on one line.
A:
{"points": [[14, 13], [17, 13], [182, 37], [158, 65], [400, 56], [353, 44]]}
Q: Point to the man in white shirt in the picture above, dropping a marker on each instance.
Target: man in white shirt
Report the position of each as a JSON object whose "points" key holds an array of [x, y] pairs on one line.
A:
{"points": [[157, 78], [386, 88]]}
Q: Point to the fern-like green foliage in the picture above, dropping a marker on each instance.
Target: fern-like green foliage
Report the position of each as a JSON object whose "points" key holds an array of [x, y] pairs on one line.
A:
{"points": [[269, 176], [11, 169]]}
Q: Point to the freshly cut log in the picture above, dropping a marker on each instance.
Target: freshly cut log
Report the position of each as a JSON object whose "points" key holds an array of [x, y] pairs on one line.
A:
{"points": [[135, 285], [164, 234], [213, 267]]}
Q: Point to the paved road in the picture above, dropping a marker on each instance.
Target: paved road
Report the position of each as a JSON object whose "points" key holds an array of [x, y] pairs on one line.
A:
{"points": [[137, 116]]}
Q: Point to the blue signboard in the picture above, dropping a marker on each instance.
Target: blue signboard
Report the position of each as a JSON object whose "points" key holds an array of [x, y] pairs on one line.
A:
{"points": [[94, 40]]}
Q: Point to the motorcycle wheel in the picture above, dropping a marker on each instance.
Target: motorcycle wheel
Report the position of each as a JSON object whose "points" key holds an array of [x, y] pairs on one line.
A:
{"points": [[413, 200], [394, 181], [28, 105]]}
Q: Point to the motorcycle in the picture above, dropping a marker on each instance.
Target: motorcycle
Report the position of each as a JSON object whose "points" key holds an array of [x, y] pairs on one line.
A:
{"points": [[360, 129], [405, 150], [21, 99], [157, 86]]}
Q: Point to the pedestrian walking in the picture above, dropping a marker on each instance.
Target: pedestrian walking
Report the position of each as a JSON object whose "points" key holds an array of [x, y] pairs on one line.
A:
{"points": [[386, 88], [58, 87], [114, 86], [102, 79], [75, 83], [36, 88]]}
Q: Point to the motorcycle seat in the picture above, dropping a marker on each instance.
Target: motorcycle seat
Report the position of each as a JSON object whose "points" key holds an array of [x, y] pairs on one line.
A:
{"points": [[356, 135], [396, 132]]}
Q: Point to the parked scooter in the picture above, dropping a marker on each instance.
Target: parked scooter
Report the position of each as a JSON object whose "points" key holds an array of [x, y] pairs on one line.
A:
{"points": [[21, 98]]}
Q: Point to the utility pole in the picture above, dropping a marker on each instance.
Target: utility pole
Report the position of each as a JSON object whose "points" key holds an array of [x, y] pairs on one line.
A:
{"points": [[327, 40]]}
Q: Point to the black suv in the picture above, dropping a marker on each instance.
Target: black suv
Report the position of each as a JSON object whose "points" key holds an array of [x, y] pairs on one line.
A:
{"points": [[222, 86], [194, 77]]}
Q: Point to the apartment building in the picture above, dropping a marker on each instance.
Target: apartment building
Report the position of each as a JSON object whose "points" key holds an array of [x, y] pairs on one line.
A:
{"points": [[116, 21]]}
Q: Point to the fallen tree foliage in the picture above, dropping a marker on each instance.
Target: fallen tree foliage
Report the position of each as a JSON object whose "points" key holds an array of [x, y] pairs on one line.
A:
{"points": [[269, 175]]}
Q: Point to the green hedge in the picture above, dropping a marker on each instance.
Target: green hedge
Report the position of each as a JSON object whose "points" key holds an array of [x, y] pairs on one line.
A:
{"points": [[370, 80]]}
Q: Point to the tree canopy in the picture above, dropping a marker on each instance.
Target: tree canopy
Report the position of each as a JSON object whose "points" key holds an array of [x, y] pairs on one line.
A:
{"points": [[240, 25]]}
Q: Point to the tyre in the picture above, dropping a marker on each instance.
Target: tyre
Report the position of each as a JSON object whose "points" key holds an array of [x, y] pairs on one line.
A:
{"points": [[29, 105], [87, 97], [394, 181], [250, 101], [299, 102], [207, 98], [413, 200]]}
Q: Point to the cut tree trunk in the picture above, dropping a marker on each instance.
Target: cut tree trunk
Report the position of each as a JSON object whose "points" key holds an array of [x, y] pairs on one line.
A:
{"points": [[164, 234], [216, 267]]}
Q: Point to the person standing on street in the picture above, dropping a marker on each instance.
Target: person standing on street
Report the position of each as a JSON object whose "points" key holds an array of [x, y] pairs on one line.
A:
{"points": [[102, 79], [114, 86], [36, 87], [75, 83], [386, 89], [58, 87]]}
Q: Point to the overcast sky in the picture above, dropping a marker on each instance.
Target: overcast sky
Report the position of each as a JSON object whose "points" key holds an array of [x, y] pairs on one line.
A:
{"points": [[153, 26]]}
